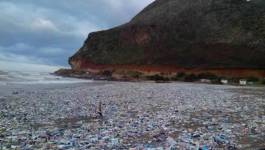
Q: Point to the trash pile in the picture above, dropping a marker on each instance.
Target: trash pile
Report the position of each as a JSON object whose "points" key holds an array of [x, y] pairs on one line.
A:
{"points": [[134, 116]]}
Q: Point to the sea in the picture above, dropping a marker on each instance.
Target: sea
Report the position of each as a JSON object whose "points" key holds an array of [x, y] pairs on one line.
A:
{"points": [[22, 73]]}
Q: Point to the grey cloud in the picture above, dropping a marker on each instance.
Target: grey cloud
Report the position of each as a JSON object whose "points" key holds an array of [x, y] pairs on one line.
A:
{"points": [[51, 31]]}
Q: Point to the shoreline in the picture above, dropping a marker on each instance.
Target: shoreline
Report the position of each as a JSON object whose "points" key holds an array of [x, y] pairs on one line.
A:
{"points": [[205, 77]]}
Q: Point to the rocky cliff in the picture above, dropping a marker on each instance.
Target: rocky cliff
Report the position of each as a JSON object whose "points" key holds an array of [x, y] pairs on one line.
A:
{"points": [[188, 35]]}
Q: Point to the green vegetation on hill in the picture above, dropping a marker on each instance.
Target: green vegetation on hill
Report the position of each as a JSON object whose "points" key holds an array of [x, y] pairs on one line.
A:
{"points": [[185, 33]]}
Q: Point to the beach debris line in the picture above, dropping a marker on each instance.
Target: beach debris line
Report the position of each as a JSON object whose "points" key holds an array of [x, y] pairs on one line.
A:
{"points": [[144, 115]]}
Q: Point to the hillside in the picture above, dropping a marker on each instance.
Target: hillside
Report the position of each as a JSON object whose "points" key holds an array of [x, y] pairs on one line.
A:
{"points": [[181, 34]]}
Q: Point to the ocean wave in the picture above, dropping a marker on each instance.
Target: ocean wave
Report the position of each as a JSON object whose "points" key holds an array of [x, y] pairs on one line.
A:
{"points": [[19, 77]]}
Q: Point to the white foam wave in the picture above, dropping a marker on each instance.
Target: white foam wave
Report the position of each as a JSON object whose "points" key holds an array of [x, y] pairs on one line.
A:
{"points": [[19, 77]]}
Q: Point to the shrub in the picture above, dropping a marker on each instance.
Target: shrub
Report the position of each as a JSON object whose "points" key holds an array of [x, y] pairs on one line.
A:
{"points": [[234, 80], [107, 73], [253, 79], [263, 81], [178, 76], [135, 74], [157, 78], [181, 75], [209, 76], [217, 80], [191, 78]]}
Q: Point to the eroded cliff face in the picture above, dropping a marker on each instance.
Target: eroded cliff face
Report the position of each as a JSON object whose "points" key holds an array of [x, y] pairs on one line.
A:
{"points": [[120, 71], [174, 35]]}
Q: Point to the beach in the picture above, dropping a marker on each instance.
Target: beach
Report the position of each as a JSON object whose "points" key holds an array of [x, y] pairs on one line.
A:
{"points": [[131, 115]]}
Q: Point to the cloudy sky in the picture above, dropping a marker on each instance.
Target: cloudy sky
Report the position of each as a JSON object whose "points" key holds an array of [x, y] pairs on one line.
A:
{"points": [[49, 31]]}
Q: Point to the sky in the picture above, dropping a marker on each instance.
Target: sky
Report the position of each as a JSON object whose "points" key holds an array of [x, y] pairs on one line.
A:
{"points": [[49, 31]]}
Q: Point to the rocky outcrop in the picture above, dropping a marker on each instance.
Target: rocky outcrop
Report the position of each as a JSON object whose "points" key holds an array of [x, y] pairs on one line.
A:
{"points": [[176, 35]]}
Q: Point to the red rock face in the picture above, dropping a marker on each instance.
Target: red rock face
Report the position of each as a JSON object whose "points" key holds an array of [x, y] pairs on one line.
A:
{"points": [[167, 70]]}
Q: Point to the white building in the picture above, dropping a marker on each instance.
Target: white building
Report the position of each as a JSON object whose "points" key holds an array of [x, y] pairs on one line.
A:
{"points": [[224, 81], [243, 82], [205, 81]]}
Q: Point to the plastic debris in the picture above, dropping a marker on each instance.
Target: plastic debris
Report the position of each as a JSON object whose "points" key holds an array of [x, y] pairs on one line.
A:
{"points": [[136, 116], [221, 139]]}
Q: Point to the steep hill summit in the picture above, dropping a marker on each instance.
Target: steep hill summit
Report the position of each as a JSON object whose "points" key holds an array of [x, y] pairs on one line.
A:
{"points": [[169, 36]]}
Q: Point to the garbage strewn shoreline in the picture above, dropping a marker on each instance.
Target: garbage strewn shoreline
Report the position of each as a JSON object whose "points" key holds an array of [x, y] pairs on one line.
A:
{"points": [[134, 116]]}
